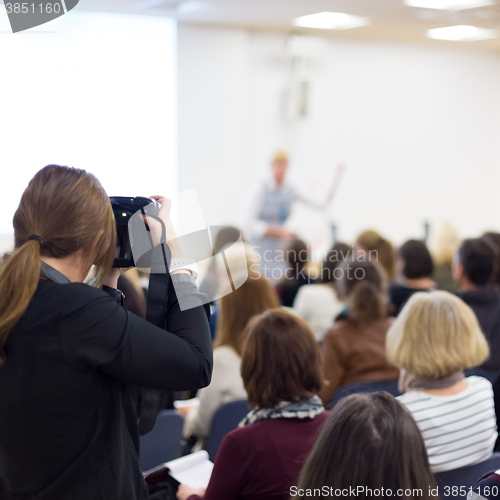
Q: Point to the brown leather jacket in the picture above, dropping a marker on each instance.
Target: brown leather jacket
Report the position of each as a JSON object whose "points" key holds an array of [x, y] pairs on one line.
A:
{"points": [[355, 353]]}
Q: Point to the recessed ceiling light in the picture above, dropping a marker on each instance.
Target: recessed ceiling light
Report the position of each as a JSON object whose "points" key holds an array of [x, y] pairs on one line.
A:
{"points": [[462, 33], [331, 21], [449, 4]]}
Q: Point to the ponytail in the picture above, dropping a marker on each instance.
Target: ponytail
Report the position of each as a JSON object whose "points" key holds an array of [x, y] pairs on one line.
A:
{"points": [[366, 303], [19, 276], [69, 211]]}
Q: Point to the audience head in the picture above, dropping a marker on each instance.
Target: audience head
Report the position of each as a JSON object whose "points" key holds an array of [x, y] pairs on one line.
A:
{"points": [[443, 244], [378, 248], [339, 253], [474, 263], [226, 236], [415, 260], [281, 359], [297, 255], [280, 166], [363, 287], [369, 440], [494, 240], [436, 335], [255, 296], [71, 213]]}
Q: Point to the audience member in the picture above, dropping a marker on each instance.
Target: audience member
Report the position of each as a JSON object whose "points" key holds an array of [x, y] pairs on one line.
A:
{"points": [[281, 372], [353, 350], [226, 236], [415, 267], [378, 249], [319, 303], [254, 297], [443, 244], [368, 441], [294, 276], [432, 341], [473, 271]]}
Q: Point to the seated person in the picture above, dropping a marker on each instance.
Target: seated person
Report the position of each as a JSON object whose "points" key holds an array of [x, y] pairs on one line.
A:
{"points": [[473, 271], [353, 350], [378, 249], [255, 296], [432, 341], [443, 243], [319, 303], [294, 276], [368, 440], [415, 268], [262, 459], [487, 487]]}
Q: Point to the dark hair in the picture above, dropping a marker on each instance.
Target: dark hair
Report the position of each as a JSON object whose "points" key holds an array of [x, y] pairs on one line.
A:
{"points": [[494, 240], [363, 286], [417, 260], [297, 255], [370, 441], [70, 211], [477, 257], [281, 359], [340, 252], [227, 235]]}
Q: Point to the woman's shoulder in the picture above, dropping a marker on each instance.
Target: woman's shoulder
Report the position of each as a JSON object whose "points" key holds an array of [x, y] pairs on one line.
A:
{"points": [[69, 292], [273, 427]]}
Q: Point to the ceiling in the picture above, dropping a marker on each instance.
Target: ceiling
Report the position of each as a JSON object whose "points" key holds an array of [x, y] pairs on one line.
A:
{"points": [[391, 19]]}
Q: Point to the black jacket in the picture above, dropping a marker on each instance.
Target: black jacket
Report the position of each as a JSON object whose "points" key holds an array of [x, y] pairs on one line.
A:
{"points": [[68, 430], [485, 302]]}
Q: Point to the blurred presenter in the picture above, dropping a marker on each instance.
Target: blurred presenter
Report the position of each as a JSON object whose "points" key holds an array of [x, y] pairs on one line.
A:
{"points": [[270, 205]]}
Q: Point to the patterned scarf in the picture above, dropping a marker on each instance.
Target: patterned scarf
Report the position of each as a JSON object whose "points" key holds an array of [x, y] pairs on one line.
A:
{"points": [[306, 408]]}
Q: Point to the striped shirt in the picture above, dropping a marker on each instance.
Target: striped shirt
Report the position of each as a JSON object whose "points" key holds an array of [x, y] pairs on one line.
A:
{"points": [[458, 430]]}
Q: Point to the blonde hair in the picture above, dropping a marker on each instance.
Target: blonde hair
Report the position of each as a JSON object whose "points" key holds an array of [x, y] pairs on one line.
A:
{"points": [[436, 335], [444, 242], [280, 156]]}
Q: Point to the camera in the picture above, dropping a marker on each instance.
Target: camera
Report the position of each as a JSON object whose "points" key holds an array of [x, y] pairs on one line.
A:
{"points": [[133, 237]]}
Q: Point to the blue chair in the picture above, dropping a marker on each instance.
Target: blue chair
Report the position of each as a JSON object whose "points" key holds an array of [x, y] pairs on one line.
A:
{"points": [[466, 477], [163, 443], [226, 419], [390, 386]]}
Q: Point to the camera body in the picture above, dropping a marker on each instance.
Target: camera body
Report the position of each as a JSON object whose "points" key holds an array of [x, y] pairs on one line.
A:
{"points": [[133, 238]]}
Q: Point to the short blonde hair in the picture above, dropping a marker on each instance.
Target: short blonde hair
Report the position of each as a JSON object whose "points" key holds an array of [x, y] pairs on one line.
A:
{"points": [[280, 156], [436, 335]]}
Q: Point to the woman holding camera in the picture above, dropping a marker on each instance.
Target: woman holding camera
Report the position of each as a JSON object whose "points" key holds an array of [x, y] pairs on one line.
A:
{"points": [[69, 352]]}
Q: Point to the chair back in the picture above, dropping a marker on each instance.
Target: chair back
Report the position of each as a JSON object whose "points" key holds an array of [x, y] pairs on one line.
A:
{"points": [[163, 443], [390, 386], [226, 419], [453, 484]]}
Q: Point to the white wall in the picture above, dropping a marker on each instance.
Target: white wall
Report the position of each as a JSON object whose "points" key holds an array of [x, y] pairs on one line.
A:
{"points": [[95, 91], [418, 128]]}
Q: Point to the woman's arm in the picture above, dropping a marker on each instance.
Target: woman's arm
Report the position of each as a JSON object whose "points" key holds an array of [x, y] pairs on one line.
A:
{"points": [[96, 333]]}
